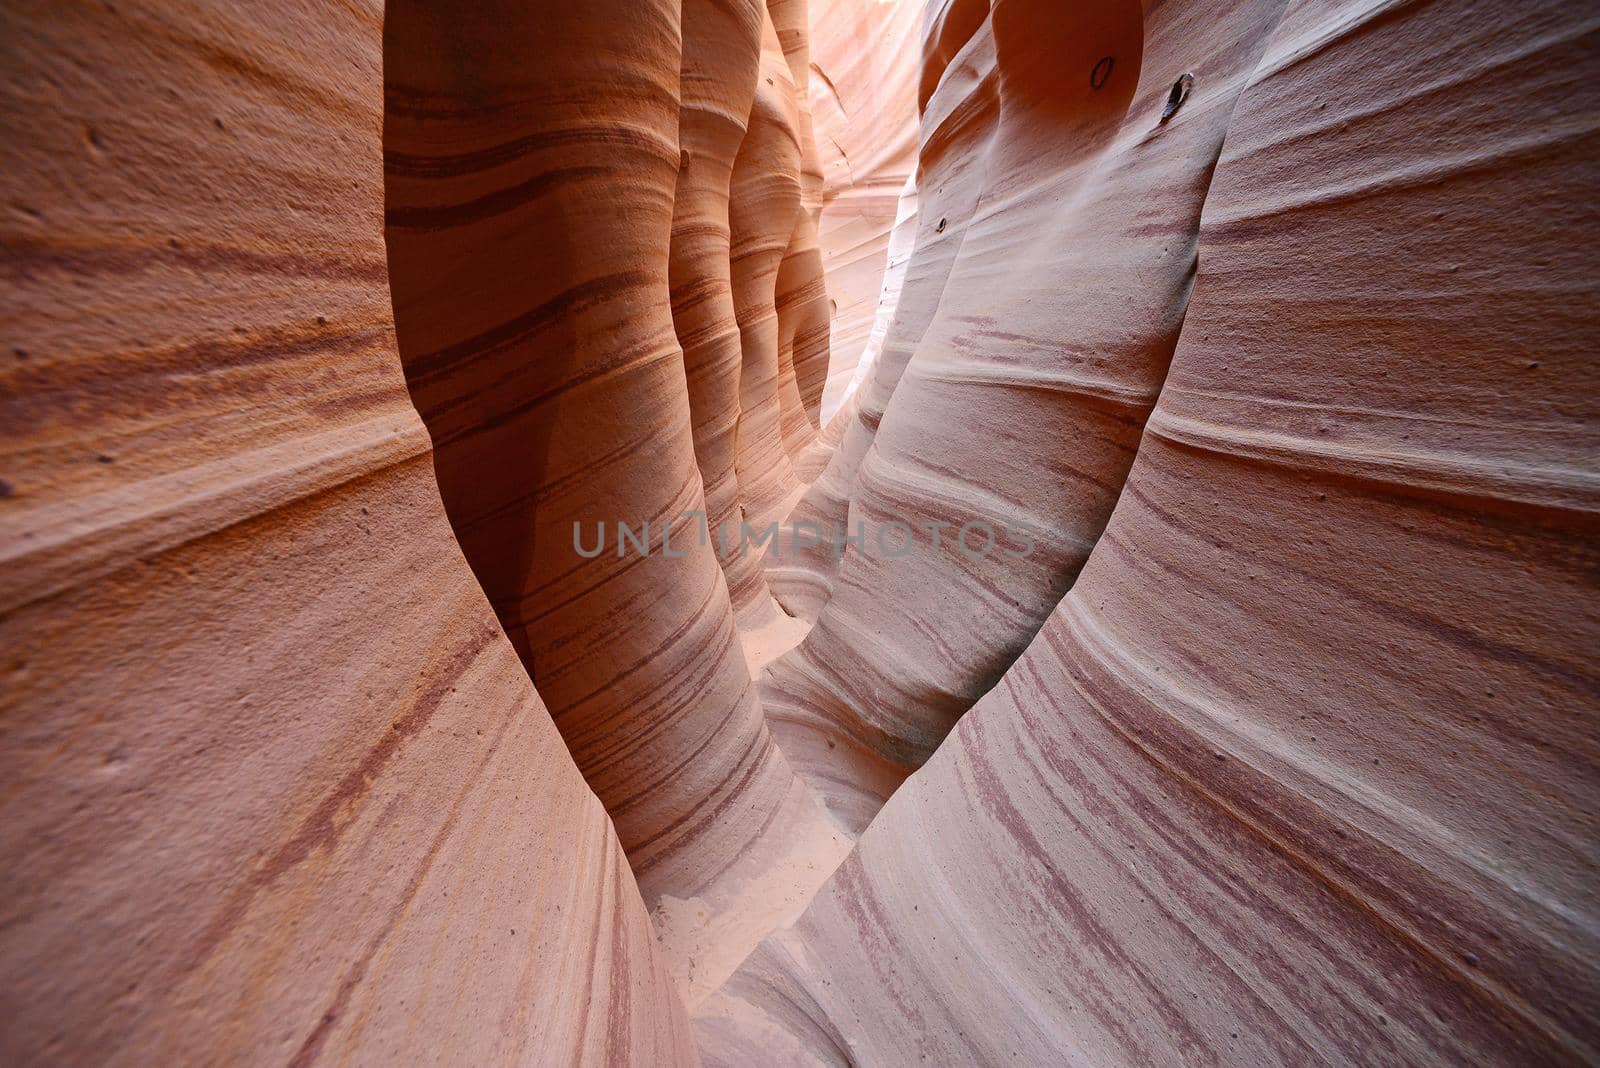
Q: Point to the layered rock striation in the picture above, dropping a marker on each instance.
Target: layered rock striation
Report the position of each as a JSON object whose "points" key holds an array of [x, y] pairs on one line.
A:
{"points": [[1302, 768], [1188, 406], [957, 123], [277, 787], [530, 218], [1063, 300]]}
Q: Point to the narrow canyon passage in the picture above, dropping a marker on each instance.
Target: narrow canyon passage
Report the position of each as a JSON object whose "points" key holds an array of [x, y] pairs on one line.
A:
{"points": [[539, 345], [800, 532]]}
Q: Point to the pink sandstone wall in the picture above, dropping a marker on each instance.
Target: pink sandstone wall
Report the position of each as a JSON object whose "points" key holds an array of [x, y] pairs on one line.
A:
{"points": [[277, 788], [1265, 323]]}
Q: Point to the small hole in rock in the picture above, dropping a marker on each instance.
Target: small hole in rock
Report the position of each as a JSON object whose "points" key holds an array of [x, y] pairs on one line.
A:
{"points": [[1175, 98], [940, 228], [1102, 71]]}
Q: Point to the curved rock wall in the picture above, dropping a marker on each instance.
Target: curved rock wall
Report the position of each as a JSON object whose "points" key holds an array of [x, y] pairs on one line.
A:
{"points": [[801, 296], [801, 301], [721, 57], [766, 207], [530, 214], [862, 93], [902, 239], [957, 125], [1255, 334], [276, 786], [1058, 318], [1303, 768]]}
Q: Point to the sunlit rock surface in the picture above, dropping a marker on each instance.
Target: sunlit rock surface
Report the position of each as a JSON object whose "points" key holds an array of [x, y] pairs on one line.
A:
{"points": [[958, 121], [1255, 333], [1303, 768], [530, 217], [1058, 315], [862, 92]]}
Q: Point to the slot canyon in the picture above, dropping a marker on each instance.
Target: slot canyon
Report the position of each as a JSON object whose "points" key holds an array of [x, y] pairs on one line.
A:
{"points": [[800, 532]]}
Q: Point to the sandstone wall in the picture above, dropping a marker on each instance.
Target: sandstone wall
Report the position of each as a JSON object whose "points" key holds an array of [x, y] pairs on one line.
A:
{"points": [[862, 92], [1249, 338], [277, 788], [532, 159], [721, 60], [1302, 769], [957, 123], [1057, 320]]}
